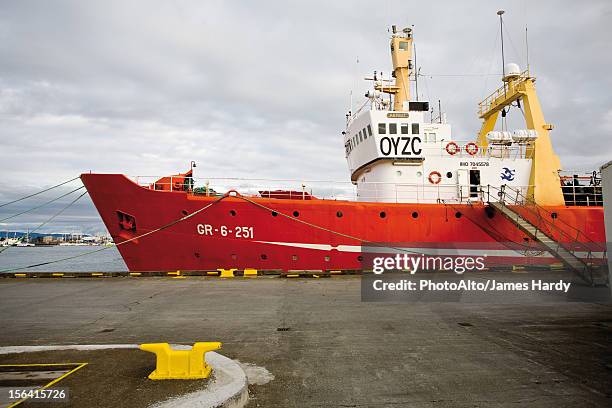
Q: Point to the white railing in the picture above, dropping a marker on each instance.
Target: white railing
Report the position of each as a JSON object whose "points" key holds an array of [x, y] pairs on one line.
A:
{"points": [[335, 190]]}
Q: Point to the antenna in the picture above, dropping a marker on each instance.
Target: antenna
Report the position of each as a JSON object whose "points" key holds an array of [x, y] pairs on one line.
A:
{"points": [[416, 74], [501, 30], [527, 46]]}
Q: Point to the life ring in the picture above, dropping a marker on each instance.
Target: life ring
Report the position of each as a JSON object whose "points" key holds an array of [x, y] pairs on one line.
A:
{"points": [[471, 148], [452, 148], [435, 177]]}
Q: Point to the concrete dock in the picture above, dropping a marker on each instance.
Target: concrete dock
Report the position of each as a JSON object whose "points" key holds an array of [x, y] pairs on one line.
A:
{"points": [[323, 345]]}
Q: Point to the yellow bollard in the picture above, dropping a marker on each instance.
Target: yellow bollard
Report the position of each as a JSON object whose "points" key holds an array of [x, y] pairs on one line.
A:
{"points": [[227, 273], [180, 364], [250, 272]]}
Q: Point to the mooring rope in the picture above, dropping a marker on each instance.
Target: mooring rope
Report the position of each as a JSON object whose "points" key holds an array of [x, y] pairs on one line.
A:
{"points": [[373, 243], [170, 224], [40, 192], [42, 205]]}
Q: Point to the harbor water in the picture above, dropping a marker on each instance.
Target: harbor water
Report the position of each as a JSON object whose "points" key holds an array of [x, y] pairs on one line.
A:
{"points": [[106, 260]]}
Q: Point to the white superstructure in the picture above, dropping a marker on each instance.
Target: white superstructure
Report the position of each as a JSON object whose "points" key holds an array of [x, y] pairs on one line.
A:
{"points": [[395, 155]]}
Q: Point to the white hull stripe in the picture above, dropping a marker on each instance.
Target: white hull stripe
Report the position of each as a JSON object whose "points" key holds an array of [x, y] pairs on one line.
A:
{"points": [[426, 251]]}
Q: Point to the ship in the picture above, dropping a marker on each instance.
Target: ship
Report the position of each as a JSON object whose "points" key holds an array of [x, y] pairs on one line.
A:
{"points": [[502, 193]]}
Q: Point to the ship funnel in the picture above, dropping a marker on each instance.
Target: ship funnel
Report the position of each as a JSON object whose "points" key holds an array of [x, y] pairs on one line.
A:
{"points": [[513, 71]]}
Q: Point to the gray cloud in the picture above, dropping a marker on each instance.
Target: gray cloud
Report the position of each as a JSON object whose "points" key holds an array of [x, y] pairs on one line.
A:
{"points": [[260, 89]]}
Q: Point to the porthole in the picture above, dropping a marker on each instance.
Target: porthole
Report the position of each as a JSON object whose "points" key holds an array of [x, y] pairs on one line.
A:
{"points": [[232, 213], [383, 214], [327, 258], [360, 258], [399, 173], [184, 212], [274, 213], [449, 174], [415, 214], [489, 211], [458, 214], [554, 215], [264, 256], [196, 254], [294, 257], [339, 214], [296, 214]]}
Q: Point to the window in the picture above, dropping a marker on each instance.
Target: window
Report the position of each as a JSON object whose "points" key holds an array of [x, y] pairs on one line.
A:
{"points": [[392, 128], [360, 136], [354, 140], [415, 128], [403, 45], [365, 134], [431, 137], [404, 128], [382, 128], [369, 130]]}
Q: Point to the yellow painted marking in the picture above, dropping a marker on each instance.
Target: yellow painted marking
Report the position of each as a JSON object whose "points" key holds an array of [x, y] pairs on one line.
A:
{"points": [[177, 273], [212, 273], [179, 277], [135, 273], [78, 367], [20, 275], [293, 275], [97, 274], [57, 274], [250, 272], [335, 272], [315, 276]]}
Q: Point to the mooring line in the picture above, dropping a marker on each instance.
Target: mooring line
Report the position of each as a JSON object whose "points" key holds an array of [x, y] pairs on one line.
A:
{"points": [[120, 243], [42, 205], [40, 192], [373, 243]]}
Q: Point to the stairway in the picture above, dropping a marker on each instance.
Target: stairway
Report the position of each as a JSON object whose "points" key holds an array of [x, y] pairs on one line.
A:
{"points": [[582, 269]]}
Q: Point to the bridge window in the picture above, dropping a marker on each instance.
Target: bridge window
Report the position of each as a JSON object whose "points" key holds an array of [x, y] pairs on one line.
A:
{"points": [[382, 128], [360, 136], [404, 128], [369, 130], [415, 128], [365, 134], [393, 128]]}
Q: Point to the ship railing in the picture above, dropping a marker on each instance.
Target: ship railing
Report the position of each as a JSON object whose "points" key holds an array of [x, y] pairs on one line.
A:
{"points": [[581, 189], [500, 93], [302, 189], [512, 151], [564, 234]]}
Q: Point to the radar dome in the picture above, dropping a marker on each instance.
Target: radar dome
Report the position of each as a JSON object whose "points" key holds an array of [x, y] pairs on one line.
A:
{"points": [[512, 71]]}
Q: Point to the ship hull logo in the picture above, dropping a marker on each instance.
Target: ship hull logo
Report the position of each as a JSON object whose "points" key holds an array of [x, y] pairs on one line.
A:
{"points": [[508, 174]]}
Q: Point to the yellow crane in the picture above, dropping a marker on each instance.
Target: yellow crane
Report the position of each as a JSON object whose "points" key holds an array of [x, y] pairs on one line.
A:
{"points": [[544, 182]]}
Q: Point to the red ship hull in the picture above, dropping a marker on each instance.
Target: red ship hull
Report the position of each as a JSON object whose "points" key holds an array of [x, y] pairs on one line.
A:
{"points": [[234, 233]]}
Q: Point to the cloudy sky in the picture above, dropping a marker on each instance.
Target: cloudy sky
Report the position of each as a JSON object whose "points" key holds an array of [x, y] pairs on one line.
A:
{"points": [[260, 89]]}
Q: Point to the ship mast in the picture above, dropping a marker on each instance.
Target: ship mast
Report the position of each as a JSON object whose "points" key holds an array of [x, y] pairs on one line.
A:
{"points": [[401, 56]]}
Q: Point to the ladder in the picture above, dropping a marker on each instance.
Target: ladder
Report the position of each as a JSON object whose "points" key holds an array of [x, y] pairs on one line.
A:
{"points": [[583, 269]]}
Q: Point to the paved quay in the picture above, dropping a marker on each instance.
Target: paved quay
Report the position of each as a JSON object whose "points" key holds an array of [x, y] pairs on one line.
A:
{"points": [[323, 345]]}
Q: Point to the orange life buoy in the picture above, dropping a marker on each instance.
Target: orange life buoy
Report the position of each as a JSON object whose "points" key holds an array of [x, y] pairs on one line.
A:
{"points": [[471, 148], [452, 148], [435, 177]]}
